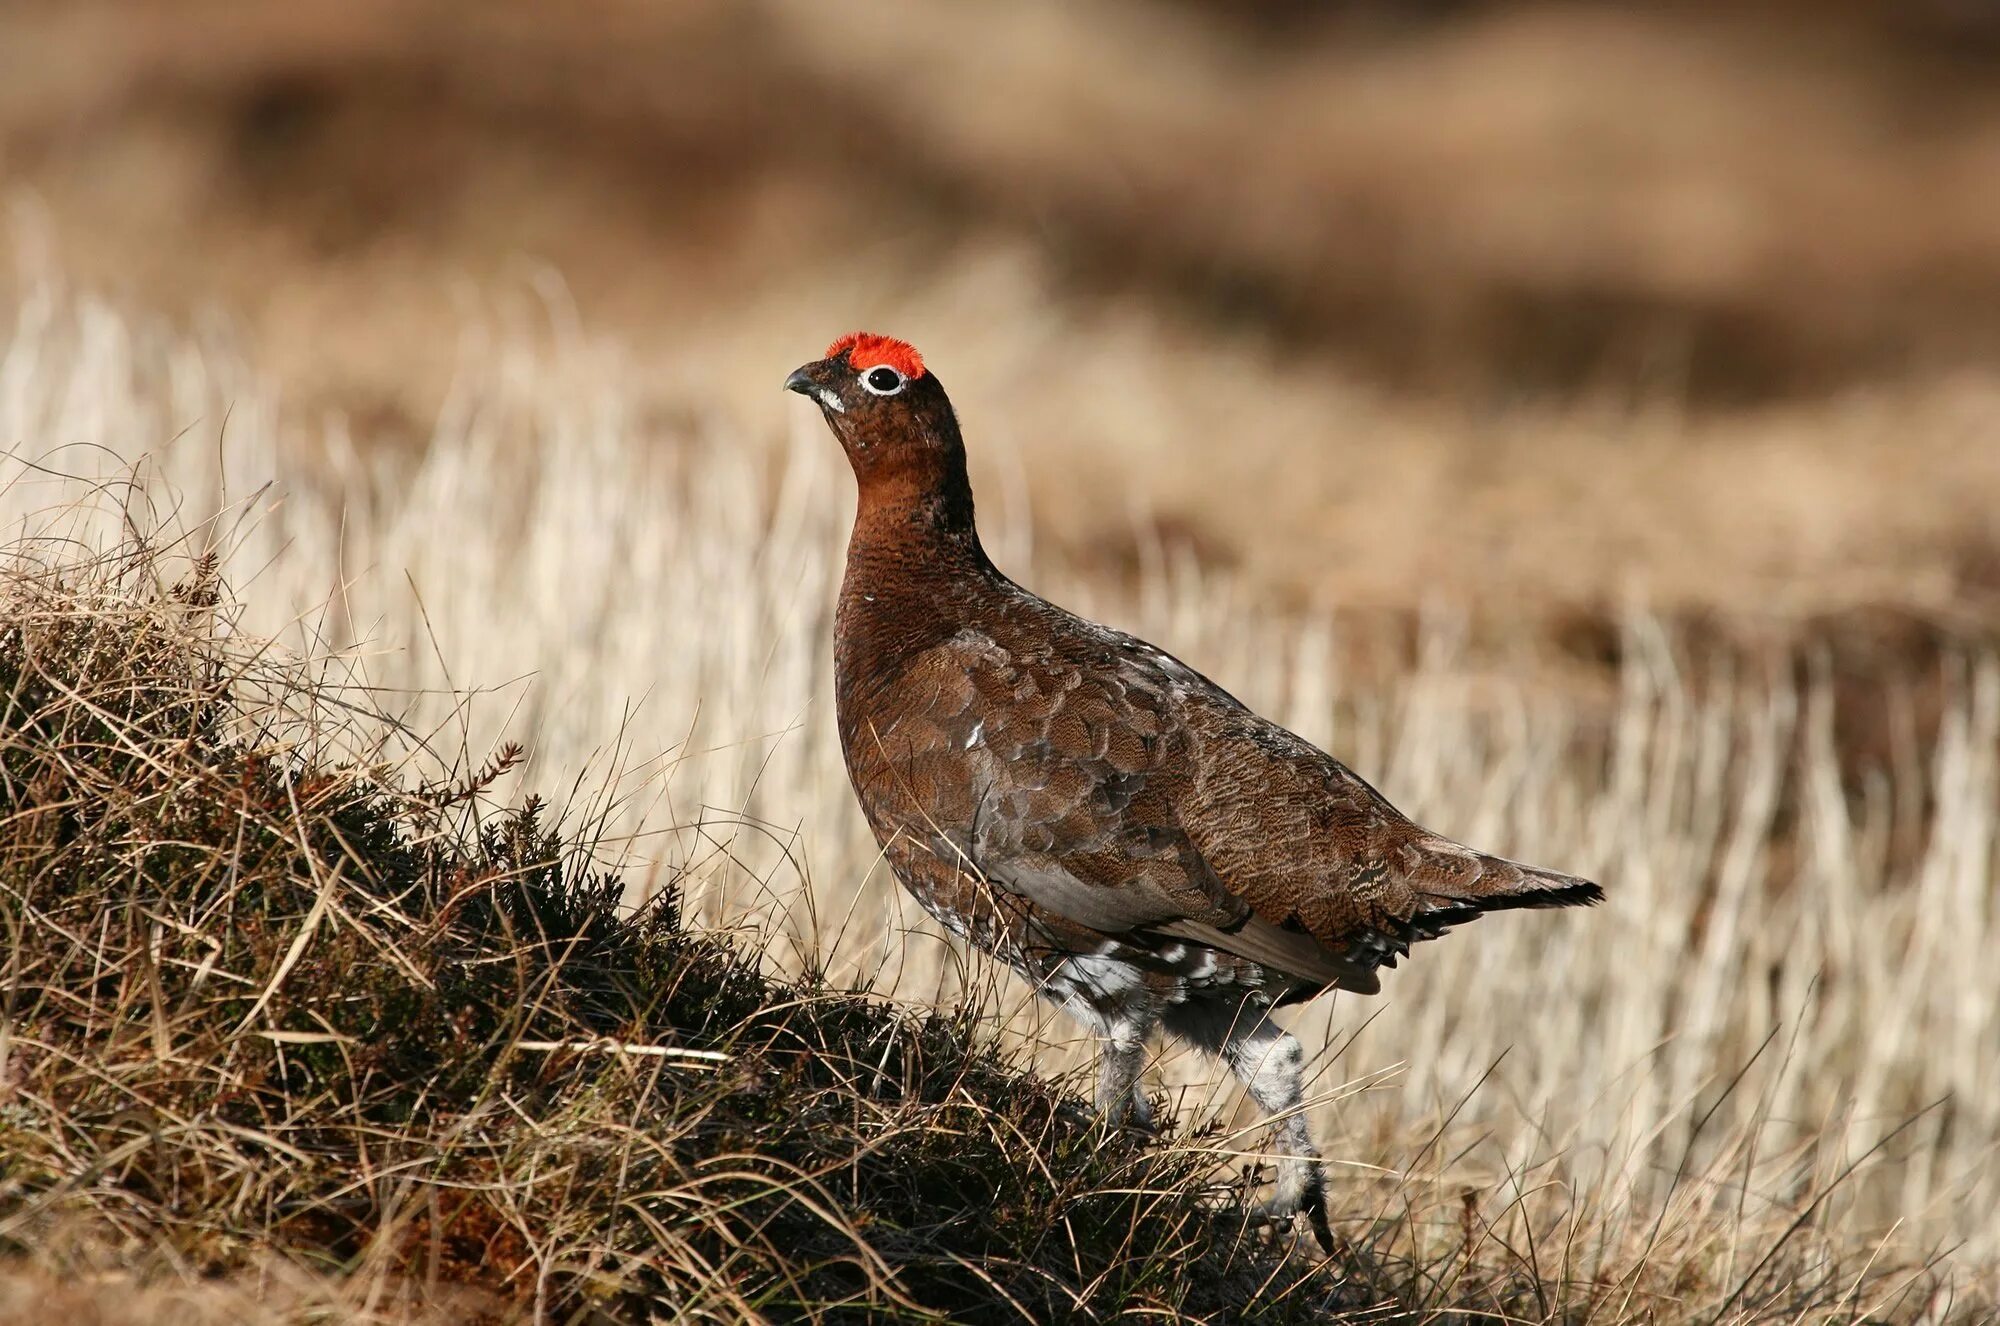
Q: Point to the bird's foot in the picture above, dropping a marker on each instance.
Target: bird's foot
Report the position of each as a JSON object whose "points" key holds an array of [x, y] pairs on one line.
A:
{"points": [[1141, 1118], [1127, 1128], [1129, 1114], [1301, 1194]]}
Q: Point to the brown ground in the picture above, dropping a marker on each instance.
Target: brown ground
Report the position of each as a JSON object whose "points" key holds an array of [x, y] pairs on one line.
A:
{"points": [[1522, 305]]}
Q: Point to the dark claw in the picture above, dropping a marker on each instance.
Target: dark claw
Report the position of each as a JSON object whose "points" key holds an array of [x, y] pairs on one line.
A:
{"points": [[1312, 1205], [1314, 1210]]}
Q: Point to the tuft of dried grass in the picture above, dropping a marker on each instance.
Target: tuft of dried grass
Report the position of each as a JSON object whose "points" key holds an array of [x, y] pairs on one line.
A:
{"points": [[266, 1011]]}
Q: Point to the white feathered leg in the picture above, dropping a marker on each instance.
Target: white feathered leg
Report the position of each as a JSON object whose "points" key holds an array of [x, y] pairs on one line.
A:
{"points": [[1110, 997], [1268, 1061], [1120, 1095]]}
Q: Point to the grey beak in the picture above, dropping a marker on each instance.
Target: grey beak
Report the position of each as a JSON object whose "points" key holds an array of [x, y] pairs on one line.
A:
{"points": [[812, 381]]}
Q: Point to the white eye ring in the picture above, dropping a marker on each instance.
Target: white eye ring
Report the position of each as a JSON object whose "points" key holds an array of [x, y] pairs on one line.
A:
{"points": [[868, 380]]}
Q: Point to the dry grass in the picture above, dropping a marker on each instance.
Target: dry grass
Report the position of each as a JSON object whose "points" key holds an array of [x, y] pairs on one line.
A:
{"points": [[1365, 310], [270, 1012], [1239, 376], [1756, 1086]]}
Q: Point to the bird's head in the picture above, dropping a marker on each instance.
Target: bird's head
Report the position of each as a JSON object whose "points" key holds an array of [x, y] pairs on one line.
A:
{"points": [[888, 411]]}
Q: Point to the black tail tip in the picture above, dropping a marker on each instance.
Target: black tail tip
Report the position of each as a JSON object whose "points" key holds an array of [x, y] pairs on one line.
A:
{"points": [[1572, 893], [1546, 889]]}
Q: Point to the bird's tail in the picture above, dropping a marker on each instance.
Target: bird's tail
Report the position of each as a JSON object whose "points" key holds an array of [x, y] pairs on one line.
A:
{"points": [[1504, 884], [1463, 884]]}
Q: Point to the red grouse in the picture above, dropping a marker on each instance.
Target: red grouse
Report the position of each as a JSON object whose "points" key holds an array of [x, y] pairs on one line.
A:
{"points": [[1091, 810]]}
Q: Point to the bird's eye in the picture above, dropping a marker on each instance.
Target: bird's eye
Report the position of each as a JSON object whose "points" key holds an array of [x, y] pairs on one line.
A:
{"points": [[882, 380]]}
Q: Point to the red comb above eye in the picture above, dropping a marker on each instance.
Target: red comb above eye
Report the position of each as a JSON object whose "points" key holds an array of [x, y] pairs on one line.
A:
{"points": [[866, 350]]}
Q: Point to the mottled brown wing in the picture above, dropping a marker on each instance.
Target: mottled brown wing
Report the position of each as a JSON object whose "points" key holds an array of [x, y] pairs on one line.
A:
{"points": [[1062, 779], [1311, 846]]}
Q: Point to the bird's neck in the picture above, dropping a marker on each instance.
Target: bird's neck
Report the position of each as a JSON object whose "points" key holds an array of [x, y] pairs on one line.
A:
{"points": [[916, 573], [916, 523]]}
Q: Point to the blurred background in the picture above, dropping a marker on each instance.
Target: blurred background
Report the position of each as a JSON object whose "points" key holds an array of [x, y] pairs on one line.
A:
{"points": [[1584, 419], [1530, 306]]}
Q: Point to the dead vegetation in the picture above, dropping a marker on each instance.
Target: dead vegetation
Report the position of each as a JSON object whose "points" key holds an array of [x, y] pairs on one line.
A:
{"points": [[267, 1010], [1522, 303], [1581, 421], [302, 1004], [379, 1042]]}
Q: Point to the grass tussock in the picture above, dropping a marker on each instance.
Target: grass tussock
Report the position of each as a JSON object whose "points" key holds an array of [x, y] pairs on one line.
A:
{"points": [[289, 1036], [263, 1010]]}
